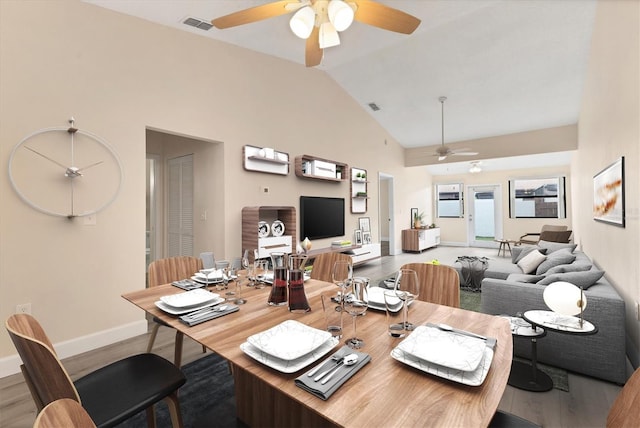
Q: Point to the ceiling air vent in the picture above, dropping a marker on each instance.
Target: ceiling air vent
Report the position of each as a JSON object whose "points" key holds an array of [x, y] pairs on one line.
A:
{"points": [[198, 23], [374, 106]]}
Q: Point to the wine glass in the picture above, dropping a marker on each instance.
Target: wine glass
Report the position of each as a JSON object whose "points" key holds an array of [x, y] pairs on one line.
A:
{"points": [[355, 304], [260, 268], [341, 275], [248, 268], [222, 266], [407, 289]]}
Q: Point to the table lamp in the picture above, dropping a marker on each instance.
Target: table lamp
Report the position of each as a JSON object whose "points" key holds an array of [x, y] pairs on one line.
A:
{"points": [[565, 298]]}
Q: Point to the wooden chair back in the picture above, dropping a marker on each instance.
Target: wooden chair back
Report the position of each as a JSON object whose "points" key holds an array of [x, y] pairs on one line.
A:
{"points": [[164, 271], [625, 411], [44, 374], [438, 283], [64, 413], [323, 265]]}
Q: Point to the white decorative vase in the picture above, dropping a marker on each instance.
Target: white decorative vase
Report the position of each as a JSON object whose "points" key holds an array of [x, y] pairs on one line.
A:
{"points": [[306, 244]]}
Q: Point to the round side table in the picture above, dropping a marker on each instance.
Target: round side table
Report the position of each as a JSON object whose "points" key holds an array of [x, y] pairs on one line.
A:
{"points": [[524, 375]]}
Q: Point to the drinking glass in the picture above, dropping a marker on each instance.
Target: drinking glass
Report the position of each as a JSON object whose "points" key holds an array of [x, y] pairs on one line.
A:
{"points": [[239, 300], [341, 275], [260, 270], [355, 304], [248, 268], [407, 289], [222, 265]]}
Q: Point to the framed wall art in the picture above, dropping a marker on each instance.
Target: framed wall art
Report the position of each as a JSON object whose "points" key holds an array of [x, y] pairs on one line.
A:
{"points": [[364, 224], [608, 194], [357, 237], [366, 237]]}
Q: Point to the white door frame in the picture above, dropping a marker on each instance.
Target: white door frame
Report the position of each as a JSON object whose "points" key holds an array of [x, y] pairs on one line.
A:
{"points": [[388, 179], [470, 202]]}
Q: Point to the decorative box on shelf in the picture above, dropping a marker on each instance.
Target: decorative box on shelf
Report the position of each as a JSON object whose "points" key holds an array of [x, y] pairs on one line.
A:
{"points": [[320, 169]]}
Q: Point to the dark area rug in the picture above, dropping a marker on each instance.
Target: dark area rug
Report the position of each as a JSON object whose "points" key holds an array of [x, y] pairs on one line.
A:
{"points": [[206, 399]]}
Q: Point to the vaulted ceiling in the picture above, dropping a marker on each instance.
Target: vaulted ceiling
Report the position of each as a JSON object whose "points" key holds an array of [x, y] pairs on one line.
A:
{"points": [[505, 66]]}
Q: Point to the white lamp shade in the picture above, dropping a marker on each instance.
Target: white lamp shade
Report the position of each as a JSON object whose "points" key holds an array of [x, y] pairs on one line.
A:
{"points": [[328, 36], [564, 298], [340, 14], [302, 22]]}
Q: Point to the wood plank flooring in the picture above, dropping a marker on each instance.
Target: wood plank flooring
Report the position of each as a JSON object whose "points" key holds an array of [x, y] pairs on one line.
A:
{"points": [[585, 405]]}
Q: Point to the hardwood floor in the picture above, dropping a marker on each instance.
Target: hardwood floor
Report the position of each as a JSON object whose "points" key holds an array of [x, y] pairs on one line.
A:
{"points": [[585, 405]]}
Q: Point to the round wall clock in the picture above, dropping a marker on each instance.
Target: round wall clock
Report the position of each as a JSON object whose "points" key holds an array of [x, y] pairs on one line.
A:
{"points": [[65, 172]]}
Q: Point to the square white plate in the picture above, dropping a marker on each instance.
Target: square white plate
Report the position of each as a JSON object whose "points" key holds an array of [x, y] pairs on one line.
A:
{"points": [[376, 299], [189, 298], [474, 378], [289, 340], [288, 366], [180, 311], [444, 348]]}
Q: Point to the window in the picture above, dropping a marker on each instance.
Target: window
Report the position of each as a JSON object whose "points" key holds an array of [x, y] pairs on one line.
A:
{"points": [[450, 200], [537, 197]]}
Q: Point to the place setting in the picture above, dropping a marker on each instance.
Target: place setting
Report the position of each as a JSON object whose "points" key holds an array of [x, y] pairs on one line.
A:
{"points": [[195, 306]]}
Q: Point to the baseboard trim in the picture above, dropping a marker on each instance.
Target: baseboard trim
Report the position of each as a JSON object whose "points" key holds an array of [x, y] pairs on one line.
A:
{"points": [[11, 365]]}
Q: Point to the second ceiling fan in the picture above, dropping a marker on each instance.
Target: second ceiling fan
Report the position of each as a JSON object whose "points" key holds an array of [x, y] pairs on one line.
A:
{"points": [[319, 21], [443, 151]]}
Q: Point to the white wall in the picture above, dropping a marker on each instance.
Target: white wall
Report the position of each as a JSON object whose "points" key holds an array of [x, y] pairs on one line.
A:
{"points": [[121, 76], [609, 127]]}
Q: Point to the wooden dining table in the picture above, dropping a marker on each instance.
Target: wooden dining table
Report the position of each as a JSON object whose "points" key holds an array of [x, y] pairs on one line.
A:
{"points": [[385, 392]]}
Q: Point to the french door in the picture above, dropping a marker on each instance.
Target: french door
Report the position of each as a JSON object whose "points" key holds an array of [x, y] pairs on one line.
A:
{"points": [[485, 215]]}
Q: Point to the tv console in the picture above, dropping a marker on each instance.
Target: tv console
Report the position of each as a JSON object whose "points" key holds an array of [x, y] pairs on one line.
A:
{"points": [[360, 254]]}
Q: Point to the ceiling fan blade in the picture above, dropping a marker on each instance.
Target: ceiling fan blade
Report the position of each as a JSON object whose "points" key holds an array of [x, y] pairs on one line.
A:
{"points": [[254, 14], [313, 53], [463, 152], [385, 17]]}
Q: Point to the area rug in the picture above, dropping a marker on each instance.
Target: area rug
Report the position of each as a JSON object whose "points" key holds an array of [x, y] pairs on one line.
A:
{"points": [[206, 399]]}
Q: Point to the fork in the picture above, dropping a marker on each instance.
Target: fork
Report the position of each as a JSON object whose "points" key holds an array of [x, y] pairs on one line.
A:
{"points": [[334, 358]]}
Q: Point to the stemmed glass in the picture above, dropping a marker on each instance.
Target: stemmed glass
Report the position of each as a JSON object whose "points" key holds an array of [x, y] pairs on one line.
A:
{"points": [[260, 268], [341, 275], [223, 266], [407, 289], [355, 304], [248, 268]]}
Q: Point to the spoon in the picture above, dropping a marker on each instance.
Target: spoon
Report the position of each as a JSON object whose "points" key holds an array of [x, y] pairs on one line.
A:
{"points": [[348, 360]]}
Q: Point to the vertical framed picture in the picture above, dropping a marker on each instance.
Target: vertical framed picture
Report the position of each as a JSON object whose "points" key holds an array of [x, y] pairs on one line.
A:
{"points": [[414, 214], [608, 194], [357, 237], [366, 237], [364, 224]]}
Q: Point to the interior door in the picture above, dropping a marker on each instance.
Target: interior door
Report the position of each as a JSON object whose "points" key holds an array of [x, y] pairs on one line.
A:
{"points": [[180, 206], [485, 215]]}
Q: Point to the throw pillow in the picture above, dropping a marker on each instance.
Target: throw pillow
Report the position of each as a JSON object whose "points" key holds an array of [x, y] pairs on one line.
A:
{"points": [[560, 257], [531, 261], [555, 246], [520, 251], [522, 277], [582, 279], [573, 267]]}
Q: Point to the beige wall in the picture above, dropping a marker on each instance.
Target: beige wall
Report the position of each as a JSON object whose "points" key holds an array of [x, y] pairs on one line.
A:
{"points": [[609, 127], [454, 230], [121, 76]]}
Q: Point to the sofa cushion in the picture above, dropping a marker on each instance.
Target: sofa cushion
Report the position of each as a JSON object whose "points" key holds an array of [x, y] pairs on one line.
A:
{"points": [[572, 267], [531, 261], [583, 279], [523, 277], [556, 258], [555, 246], [520, 251]]}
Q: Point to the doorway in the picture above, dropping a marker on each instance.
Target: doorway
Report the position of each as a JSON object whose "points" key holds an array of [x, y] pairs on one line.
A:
{"points": [[153, 239], [485, 215], [386, 223]]}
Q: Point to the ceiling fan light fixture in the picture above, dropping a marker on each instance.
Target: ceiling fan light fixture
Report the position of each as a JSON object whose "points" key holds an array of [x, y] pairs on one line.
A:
{"points": [[302, 22], [328, 36], [475, 168], [340, 14]]}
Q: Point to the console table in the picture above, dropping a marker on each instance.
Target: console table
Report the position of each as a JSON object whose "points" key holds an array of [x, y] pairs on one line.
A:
{"points": [[360, 254], [420, 239]]}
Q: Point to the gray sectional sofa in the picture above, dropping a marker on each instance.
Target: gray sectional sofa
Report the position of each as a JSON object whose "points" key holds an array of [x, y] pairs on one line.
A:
{"points": [[506, 289]]}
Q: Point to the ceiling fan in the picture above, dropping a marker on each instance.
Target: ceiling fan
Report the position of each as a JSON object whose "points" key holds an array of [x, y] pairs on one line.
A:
{"points": [[443, 151], [319, 21]]}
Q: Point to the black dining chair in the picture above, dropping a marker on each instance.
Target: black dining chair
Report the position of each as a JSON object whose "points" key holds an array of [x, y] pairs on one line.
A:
{"points": [[111, 394]]}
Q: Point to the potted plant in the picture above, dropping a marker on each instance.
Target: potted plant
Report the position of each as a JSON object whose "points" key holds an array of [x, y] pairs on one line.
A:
{"points": [[417, 220]]}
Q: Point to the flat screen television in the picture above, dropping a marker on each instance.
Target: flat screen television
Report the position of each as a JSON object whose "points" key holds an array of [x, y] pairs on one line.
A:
{"points": [[321, 217]]}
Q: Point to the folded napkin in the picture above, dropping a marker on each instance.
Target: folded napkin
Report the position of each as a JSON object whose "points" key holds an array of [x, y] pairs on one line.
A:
{"points": [[342, 375], [209, 315], [187, 284]]}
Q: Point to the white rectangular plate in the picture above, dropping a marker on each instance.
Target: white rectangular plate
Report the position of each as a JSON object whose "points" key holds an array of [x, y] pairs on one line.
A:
{"points": [[289, 340], [444, 348], [288, 366], [189, 298], [180, 311]]}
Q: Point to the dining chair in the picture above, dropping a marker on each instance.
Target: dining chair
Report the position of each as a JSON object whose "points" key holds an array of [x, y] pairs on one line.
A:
{"points": [[438, 283], [165, 271], [110, 394], [323, 265], [208, 260], [507, 420], [66, 413], [625, 411]]}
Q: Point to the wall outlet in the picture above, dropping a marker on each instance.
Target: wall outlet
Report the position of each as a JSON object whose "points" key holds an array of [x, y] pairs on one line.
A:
{"points": [[24, 308], [264, 189]]}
